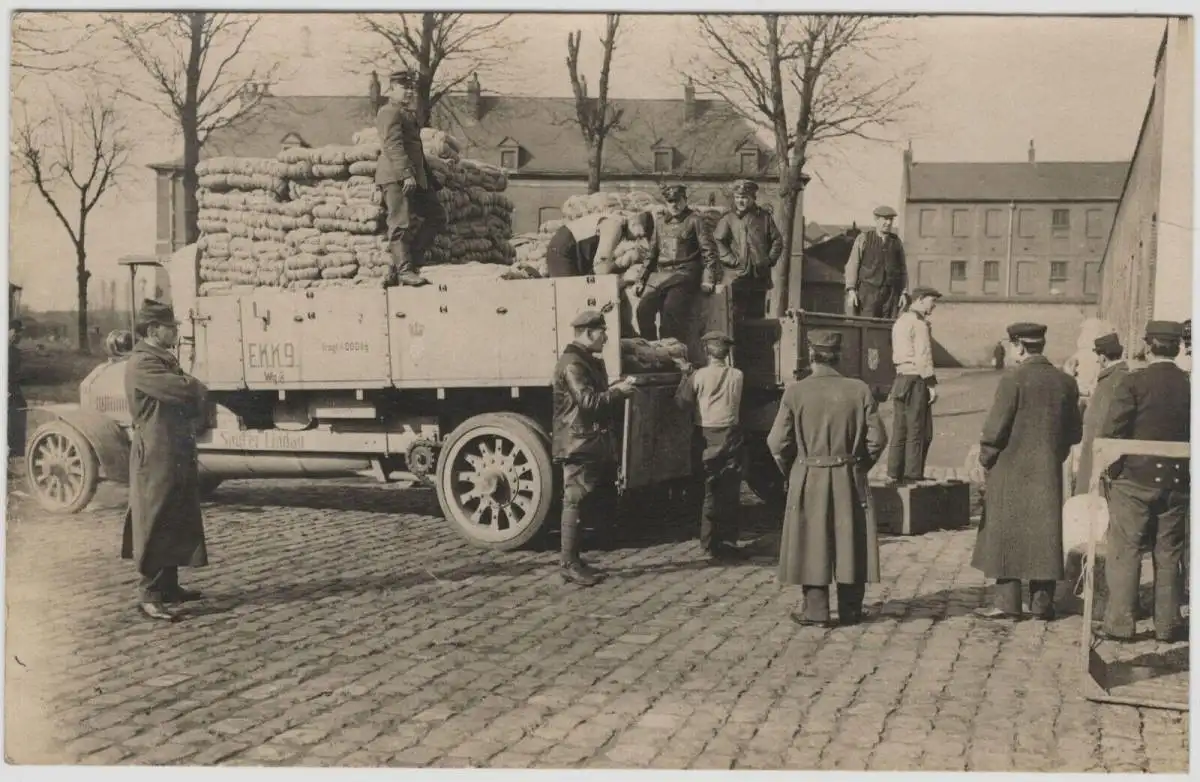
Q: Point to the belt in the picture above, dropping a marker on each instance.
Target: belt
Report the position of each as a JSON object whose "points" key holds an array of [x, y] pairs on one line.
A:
{"points": [[665, 266], [827, 461]]}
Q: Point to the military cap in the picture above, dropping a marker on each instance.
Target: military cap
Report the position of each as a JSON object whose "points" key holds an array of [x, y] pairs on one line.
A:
{"points": [[1027, 332], [156, 312], [405, 76], [745, 187], [717, 336], [1164, 329], [885, 211], [673, 192], [589, 319], [1107, 343], [825, 339], [921, 291]]}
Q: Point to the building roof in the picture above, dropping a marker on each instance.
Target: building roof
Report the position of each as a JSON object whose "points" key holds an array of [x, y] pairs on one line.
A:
{"points": [[1054, 181], [816, 232], [544, 130]]}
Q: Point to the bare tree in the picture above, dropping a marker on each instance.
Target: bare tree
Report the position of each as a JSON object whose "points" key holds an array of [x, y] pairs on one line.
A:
{"points": [[806, 80], [73, 160], [45, 42], [596, 117], [445, 49], [191, 59]]}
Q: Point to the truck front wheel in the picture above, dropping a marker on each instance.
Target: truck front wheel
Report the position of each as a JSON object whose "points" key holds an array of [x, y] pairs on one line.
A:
{"points": [[495, 481], [61, 469]]}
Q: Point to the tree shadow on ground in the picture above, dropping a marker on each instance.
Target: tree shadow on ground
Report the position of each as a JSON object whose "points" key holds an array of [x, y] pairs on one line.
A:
{"points": [[366, 498]]}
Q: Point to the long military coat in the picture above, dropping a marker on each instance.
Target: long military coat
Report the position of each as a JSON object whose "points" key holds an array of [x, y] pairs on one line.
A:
{"points": [[826, 437], [1028, 435], [163, 527], [1093, 419]]}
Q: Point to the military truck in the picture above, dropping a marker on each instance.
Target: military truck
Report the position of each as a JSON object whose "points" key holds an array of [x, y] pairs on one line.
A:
{"points": [[449, 383]]}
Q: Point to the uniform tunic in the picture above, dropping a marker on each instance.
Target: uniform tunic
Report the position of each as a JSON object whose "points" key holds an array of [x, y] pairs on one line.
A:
{"points": [[1028, 434], [826, 437]]}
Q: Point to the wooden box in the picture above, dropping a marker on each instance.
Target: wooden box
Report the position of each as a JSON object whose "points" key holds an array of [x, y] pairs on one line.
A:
{"points": [[917, 508]]}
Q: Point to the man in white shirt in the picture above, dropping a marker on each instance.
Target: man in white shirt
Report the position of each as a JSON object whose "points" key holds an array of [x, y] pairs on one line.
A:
{"points": [[914, 390]]}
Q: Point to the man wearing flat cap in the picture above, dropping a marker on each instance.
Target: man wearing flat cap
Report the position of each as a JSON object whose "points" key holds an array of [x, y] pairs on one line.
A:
{"points": [[749, 244], [825, 439], [682, 261], [1026, 438], [1109, 352], [163, 527], [877, 272], [914, 390], [414, 214], [583, 436], [714, 394], [1148, 495]]}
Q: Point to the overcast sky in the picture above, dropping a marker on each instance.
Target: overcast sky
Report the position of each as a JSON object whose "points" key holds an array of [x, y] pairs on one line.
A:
{"points": [[1078, 87]]}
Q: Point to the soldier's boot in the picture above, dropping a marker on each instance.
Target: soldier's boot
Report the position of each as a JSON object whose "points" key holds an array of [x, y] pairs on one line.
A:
{"points": [[572, 569], [403, 270]]}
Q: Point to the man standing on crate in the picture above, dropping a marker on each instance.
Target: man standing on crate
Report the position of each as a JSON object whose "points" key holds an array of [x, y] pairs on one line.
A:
{"points": [[414, 214], [825, 439], [877, 272], [1026, 438], [915, 389], [1148, 495], [683, 259], [750, 245], [585, 408]]}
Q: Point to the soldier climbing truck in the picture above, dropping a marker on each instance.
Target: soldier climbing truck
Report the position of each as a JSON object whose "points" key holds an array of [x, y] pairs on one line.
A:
{"points": [[450, 383]]}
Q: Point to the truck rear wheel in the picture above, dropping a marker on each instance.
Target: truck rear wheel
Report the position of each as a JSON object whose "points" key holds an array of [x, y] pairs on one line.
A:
{"points": [[61, 469], [495, 480]]}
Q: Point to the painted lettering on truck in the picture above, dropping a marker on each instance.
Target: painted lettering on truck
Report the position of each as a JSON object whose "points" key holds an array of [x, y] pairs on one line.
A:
{"points": [[270, 355]]}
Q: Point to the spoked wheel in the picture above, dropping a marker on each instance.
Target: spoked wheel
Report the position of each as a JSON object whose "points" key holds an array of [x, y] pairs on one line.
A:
{"points": [[61, 469], [495, 480]]}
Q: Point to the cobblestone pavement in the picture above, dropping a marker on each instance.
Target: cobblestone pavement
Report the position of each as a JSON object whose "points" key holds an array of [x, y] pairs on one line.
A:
{"points": [[345, 624]]}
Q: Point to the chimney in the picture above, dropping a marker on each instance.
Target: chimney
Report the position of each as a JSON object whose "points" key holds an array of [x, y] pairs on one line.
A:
{"points": [[473, 92], [375, 92], [689, 101], [1032, 155]]}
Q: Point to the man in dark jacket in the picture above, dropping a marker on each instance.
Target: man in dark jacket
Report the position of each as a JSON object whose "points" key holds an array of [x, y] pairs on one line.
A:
{"points": [[414, 214], [1027, 436], [683, 259], [877, 272], [163, 527], [583, 442], [1148, 495], [749, 244], [825, 439], [1112, 368]]}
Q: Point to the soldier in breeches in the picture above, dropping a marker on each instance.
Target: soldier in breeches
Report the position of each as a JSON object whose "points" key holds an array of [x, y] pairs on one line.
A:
{"points": [[1148, 495], [683, 259], [877, 272], [414, 214], [915, 389], [750, 245], [583, 442]]}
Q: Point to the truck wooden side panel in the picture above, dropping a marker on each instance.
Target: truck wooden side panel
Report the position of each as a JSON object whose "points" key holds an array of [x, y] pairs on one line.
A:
{"points": [[271, 339], [657, 441], [215, 354], [572, 295], [344, 338]]}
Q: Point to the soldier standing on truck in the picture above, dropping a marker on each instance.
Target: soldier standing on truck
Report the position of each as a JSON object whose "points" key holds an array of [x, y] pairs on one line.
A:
{"points": [[714, 393], [749, 244], [163, 526], [877, 272], [914, 390], [683, 259], [414, 214], [583, 441]]}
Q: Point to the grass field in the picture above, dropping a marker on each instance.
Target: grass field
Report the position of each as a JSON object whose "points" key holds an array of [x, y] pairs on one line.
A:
{"points": [[51, 373]]}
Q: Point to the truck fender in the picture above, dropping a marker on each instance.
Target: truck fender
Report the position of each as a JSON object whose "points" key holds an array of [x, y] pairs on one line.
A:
{"points": [[108, 439]]}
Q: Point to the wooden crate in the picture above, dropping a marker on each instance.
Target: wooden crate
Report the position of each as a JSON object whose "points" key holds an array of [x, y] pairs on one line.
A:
{"points": [[917, 508]]}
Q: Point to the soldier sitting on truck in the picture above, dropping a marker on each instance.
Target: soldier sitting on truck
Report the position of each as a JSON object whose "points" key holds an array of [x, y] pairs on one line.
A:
{"points": [[583, 441], [587, 246], [414, 214], [683, 259], [749, 244]]}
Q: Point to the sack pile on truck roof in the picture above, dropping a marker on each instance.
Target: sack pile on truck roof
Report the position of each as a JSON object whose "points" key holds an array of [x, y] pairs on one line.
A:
{"points": [[313, 217]]}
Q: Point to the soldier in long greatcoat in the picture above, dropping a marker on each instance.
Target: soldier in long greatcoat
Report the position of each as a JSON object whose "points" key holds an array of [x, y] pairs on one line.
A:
{"points": [[163, 527], [826, 437], [1028, 435]]}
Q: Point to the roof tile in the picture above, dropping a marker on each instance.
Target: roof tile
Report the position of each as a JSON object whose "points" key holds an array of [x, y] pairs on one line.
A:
{"points": [[1051, 181]]}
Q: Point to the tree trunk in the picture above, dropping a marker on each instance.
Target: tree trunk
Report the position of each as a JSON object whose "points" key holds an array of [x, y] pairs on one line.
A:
{"points": [[190, 125], [782, 297], [81, 281], [595, 156]]}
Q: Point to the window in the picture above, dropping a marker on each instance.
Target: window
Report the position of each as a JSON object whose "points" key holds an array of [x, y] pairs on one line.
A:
{"points": [[1027, 223], [1060, 219], [958, 276], [1026, 276], [991, 277], [1058, 271], [926, 271], [1091, 279], [508, 158], [749, 161], [995, 223], [928, 222], [1097, 226], [662, 161], [961, 222]]}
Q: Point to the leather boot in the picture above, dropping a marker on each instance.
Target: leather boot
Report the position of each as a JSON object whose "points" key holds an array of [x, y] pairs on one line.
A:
{"points": [[403, 269], [571, 568]]}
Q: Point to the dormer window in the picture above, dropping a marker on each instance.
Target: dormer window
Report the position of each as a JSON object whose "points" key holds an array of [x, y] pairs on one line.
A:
{"points": [[510, 154], [664, 157], [749, 158], [293, 140]]}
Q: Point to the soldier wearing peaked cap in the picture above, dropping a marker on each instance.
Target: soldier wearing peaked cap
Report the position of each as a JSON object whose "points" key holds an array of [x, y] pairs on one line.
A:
{"points": [[163, 526], [914, 390], [1109, 352], [877, 271], [583, 441], [714, 394], [414, 214], [749, 244], [1026, 438], [1148, 495], [826, 437]]}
